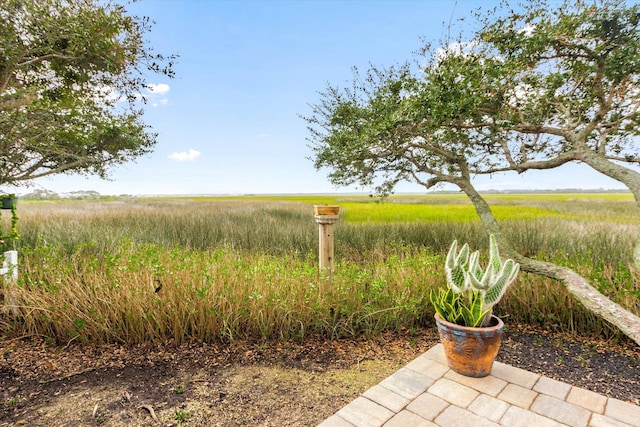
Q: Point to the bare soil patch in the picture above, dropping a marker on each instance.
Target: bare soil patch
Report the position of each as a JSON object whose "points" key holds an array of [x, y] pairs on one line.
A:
{"points": [[259, 384]]}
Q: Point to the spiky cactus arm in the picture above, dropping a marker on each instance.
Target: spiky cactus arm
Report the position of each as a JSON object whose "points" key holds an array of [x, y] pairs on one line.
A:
{"points": [[475, 270], [501, 282], [493, 282], [496, 278], [479, 280], [455, 267], [495, 263]]}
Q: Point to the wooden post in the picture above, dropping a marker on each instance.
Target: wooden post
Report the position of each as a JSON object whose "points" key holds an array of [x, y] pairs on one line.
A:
{"points": [[325, 219]]}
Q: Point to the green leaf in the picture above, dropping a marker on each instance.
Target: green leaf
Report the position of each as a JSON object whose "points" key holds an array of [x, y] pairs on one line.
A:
{"points": [[446, 304]]}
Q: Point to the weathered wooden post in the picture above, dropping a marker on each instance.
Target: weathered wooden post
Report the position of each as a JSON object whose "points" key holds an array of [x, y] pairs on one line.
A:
{"points": [[326, 216]]}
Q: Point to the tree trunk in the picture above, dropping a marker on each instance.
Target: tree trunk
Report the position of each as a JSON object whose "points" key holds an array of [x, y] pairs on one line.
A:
{"points": [[627, 322], [620, 173]]}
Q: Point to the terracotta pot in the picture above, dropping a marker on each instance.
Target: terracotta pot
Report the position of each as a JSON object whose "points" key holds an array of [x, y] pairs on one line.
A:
{"points": [[470, 351], [326, 209]]}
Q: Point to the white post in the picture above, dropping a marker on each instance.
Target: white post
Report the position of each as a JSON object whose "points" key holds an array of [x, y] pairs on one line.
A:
{"points": [[10, 271], [10, 265]]}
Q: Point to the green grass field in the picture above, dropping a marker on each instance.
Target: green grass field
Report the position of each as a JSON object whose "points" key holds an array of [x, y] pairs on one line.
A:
{"points": [[612, 207], [246, 266]]}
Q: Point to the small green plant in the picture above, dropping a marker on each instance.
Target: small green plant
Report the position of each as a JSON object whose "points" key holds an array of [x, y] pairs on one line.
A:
{"points": [[472, 291], [11, 402], [583, 362], [179, 389], [181, 416]]}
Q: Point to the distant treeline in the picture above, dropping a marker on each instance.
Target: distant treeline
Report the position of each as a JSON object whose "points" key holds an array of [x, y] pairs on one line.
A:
{"points": [[42, 194], [547, 191]]}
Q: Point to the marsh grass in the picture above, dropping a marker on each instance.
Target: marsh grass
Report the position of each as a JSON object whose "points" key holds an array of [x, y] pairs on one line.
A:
{"points": [[420, 212], [147, 293], [225, 269], [270, 227]]}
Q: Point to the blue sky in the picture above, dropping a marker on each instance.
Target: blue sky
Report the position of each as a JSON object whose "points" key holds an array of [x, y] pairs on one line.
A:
{"points": [[229, 122]]}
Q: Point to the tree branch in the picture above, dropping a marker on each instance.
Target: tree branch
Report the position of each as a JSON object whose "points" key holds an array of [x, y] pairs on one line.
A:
{"points": [[41, 59], [559, 160]]}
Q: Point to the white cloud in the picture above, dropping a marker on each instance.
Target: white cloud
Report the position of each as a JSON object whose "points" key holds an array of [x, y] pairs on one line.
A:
{"points": [[185, 156], [163, 101], [155, 93], [158, 89]]}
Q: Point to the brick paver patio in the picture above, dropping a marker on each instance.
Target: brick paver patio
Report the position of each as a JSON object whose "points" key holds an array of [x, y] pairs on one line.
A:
{"points": [[427, 393]]}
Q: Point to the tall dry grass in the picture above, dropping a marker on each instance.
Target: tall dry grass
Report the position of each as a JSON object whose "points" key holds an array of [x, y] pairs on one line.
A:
{"points": [[148, 293], [237, 269]]}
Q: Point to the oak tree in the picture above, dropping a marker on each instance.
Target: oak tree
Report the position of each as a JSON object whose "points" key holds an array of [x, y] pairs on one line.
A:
{"points": [[71, 77], [532, 88]]}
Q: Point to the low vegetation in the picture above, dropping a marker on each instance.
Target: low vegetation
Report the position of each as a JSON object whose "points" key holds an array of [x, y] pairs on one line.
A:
{"points": [[210, 269]]}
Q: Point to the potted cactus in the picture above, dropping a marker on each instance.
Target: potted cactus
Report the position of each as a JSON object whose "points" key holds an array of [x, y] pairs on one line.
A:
{"points": [[468, 330], [8, 201]]}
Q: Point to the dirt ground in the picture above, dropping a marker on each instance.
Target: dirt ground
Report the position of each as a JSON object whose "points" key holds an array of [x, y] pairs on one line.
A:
{"points": [[259, 384]]}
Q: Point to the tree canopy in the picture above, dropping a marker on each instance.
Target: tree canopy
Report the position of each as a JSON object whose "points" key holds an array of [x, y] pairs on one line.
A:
{"points": [[532, 88], [72, 74]]}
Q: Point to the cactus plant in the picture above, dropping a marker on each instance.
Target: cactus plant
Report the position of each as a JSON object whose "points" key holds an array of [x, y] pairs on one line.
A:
{"points": [[472, 291]]}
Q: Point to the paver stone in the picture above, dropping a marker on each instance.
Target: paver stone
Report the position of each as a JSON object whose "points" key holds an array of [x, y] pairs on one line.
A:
{"points": [[363, 412], [408, 418], [561, 411], [453, 392], [552, 387], [489, 407], [518, 396], [623, 411], [427, 406]]}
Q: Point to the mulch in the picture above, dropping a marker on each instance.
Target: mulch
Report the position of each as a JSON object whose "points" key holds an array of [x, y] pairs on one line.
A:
{"points": [[606, 367]]}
